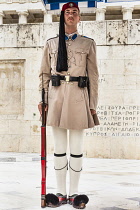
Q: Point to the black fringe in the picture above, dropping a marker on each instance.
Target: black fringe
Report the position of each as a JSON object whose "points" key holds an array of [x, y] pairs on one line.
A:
{"points": [[62, 50], [51, 198], [80, 199]]}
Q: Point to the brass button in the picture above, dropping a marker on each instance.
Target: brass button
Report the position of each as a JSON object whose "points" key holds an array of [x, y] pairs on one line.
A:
{"points": [[68, 73]]}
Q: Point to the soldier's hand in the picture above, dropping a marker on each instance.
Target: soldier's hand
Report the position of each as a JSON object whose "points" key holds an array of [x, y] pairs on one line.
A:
{"points": [[93, 111], [40, 108]]}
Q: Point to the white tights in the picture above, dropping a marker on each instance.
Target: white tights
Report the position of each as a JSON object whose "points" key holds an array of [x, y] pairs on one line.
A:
{"points": [[60, 163]]}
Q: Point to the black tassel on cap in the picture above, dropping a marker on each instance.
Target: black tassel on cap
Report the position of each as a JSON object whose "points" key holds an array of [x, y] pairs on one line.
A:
{"points": [[62, 50]]}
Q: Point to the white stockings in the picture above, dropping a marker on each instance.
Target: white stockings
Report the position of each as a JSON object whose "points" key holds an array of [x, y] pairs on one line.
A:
{"points": [[61, 162]]}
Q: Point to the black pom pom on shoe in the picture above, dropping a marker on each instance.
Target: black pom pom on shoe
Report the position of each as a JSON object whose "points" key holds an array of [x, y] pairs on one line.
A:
{"points": [[80, 201], [52, 200]]}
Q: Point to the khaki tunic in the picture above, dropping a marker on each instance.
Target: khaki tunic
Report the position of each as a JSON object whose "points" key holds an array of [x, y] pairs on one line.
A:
{"points": [[68, 105]]}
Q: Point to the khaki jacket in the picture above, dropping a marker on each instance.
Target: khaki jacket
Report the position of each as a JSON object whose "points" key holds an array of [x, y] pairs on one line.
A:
{"points": [[68, 105]]}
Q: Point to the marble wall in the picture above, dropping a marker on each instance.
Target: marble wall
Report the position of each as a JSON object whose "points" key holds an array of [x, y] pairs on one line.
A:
{"points": [[118, 53]]}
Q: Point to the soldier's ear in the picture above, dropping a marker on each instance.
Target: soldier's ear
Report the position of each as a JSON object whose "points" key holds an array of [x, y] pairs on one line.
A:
{"points": [[79, 18]]}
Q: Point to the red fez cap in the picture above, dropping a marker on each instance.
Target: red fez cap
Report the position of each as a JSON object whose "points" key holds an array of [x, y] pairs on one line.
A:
{"points": [[69, 5]]}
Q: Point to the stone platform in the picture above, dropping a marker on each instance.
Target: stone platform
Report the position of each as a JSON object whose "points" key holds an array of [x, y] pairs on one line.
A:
{"points": [[111, 184]]}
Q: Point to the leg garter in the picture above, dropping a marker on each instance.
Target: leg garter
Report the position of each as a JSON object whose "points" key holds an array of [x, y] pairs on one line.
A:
{"points": [[60, 155], [75, 156]]}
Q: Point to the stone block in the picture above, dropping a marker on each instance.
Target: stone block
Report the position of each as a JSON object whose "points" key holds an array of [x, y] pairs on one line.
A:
{"points": [[112, 66], [3, 117], [42, 38], [138, 82], [131, 66], [28, 35], [35, 128], [117, 82], [49, 30], [80, 27], [128, 148], [32, 97], [115, 148], [24, 144], [19, 127], [9, 143], [137, 66], [25, 128], [8, 35], [99, 65], [112, 82], [12, 90], [31, 112], [111, 52], [14, 127], [4, 127], [104, 52], [2, 36], [35, 144], [112, 97], [137, 155], [123, 148], [116, 32], [130, 52], [118, 52], [131, 97], [50, 144], [134, 32], [97, 146], [32, 82], [96, 31], [130, 82], [138, 51]]}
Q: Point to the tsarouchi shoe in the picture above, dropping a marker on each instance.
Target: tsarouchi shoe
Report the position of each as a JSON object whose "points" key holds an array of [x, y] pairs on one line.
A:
{"points": [[78, 201], [54, 201]]}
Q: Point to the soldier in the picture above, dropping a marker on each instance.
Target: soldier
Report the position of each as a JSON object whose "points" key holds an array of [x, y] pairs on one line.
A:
{"points": [[68, 67]]}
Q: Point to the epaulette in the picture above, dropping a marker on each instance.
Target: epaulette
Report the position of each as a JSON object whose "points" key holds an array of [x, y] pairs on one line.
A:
{"points": [[87, 37], [52, 38]]}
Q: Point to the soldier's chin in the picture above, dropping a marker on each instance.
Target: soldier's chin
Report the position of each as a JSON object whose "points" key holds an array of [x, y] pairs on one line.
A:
{"points": [[71, 22]]}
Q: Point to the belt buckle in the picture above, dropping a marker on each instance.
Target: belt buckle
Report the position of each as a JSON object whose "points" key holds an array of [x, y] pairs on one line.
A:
{"points": [[67, 78]]}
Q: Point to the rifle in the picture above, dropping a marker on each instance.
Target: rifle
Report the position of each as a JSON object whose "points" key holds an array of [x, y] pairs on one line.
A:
{"points": [[43, 151]]}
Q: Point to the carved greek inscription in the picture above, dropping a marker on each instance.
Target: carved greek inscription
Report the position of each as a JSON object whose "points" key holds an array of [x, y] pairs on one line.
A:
{"points": [[118, 121]]}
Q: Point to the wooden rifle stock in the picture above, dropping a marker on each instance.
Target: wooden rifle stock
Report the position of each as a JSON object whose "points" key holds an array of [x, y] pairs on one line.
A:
{"points": [[43, 152]]}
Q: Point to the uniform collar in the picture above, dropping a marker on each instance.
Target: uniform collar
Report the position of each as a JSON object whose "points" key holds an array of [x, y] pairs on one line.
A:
{"points": [[72, 36]]}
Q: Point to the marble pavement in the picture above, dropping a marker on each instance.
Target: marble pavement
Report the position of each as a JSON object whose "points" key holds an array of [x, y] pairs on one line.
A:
{"points": [[111, 184]]}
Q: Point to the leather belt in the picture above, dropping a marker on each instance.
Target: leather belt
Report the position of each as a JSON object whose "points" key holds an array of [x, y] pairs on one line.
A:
{"points": [[82, 81], [68, 78]]}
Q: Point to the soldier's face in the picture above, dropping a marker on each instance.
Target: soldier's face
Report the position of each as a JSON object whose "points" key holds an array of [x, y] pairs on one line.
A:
{"points": [[72, 16]]}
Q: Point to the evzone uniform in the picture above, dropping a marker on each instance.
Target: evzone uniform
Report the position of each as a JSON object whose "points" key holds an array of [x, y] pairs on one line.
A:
{"points": [[69, 105]]}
